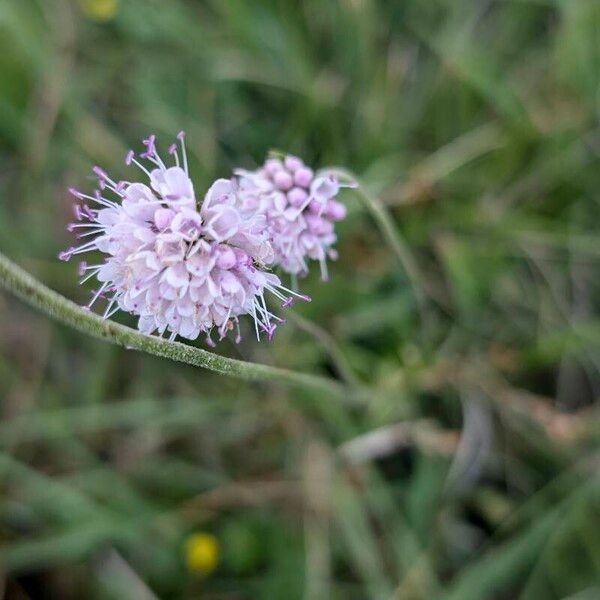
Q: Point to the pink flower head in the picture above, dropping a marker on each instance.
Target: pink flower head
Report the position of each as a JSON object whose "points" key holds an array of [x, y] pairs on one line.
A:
{"points": [[183, 267], [300, 208]]}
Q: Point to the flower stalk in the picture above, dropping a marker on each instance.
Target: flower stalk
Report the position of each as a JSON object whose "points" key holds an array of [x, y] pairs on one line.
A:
{"points": [[20, 283], [389, 232]]}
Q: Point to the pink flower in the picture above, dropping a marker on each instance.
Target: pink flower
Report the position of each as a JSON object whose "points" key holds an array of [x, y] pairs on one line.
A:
{"points": [[300, 209], [181, 267]]}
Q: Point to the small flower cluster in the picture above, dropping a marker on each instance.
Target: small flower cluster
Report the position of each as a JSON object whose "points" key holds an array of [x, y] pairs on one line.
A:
{"points": [[300, 208], [187, 268]]}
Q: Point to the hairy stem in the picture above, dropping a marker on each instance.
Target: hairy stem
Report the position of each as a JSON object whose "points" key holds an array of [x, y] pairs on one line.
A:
{"points": [[23, 285]]}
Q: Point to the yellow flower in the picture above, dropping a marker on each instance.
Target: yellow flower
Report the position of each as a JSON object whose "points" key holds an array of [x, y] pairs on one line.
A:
{"points": [[201, 552], [100, 10]]}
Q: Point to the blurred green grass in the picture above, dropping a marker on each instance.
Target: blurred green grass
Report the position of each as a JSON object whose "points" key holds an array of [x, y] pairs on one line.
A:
{"points": [[473, 471]]}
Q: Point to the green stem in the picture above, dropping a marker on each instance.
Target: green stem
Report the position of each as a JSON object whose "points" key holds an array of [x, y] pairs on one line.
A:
{"points": [[389, 231], [327, 341], [21, 284]]}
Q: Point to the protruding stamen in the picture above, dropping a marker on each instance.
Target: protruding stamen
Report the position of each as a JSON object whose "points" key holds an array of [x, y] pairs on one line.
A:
{"points": [[73, 226], [181, 138], [150, 147], [270, 332], [65, 255], [140, 166], [100, 173], [108, 312], [100, 199], [104, 181], [151, 154], [173, 152], [97, 294], [88, 212]]}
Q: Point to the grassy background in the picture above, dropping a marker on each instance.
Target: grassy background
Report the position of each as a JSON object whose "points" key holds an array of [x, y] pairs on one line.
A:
{"points": [[472, 473]]}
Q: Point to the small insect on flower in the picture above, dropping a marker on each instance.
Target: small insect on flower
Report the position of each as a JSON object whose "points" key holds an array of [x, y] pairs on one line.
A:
{"points": [[183, 267], [301, 209]]}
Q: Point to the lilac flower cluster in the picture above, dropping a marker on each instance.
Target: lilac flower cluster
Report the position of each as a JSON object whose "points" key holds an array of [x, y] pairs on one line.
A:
{"points": [[187, 268], [300, 209]]}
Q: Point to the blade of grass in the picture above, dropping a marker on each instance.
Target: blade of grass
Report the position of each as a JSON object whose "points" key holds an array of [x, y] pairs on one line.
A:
{"points": [[498, 568], [389, 231]]}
